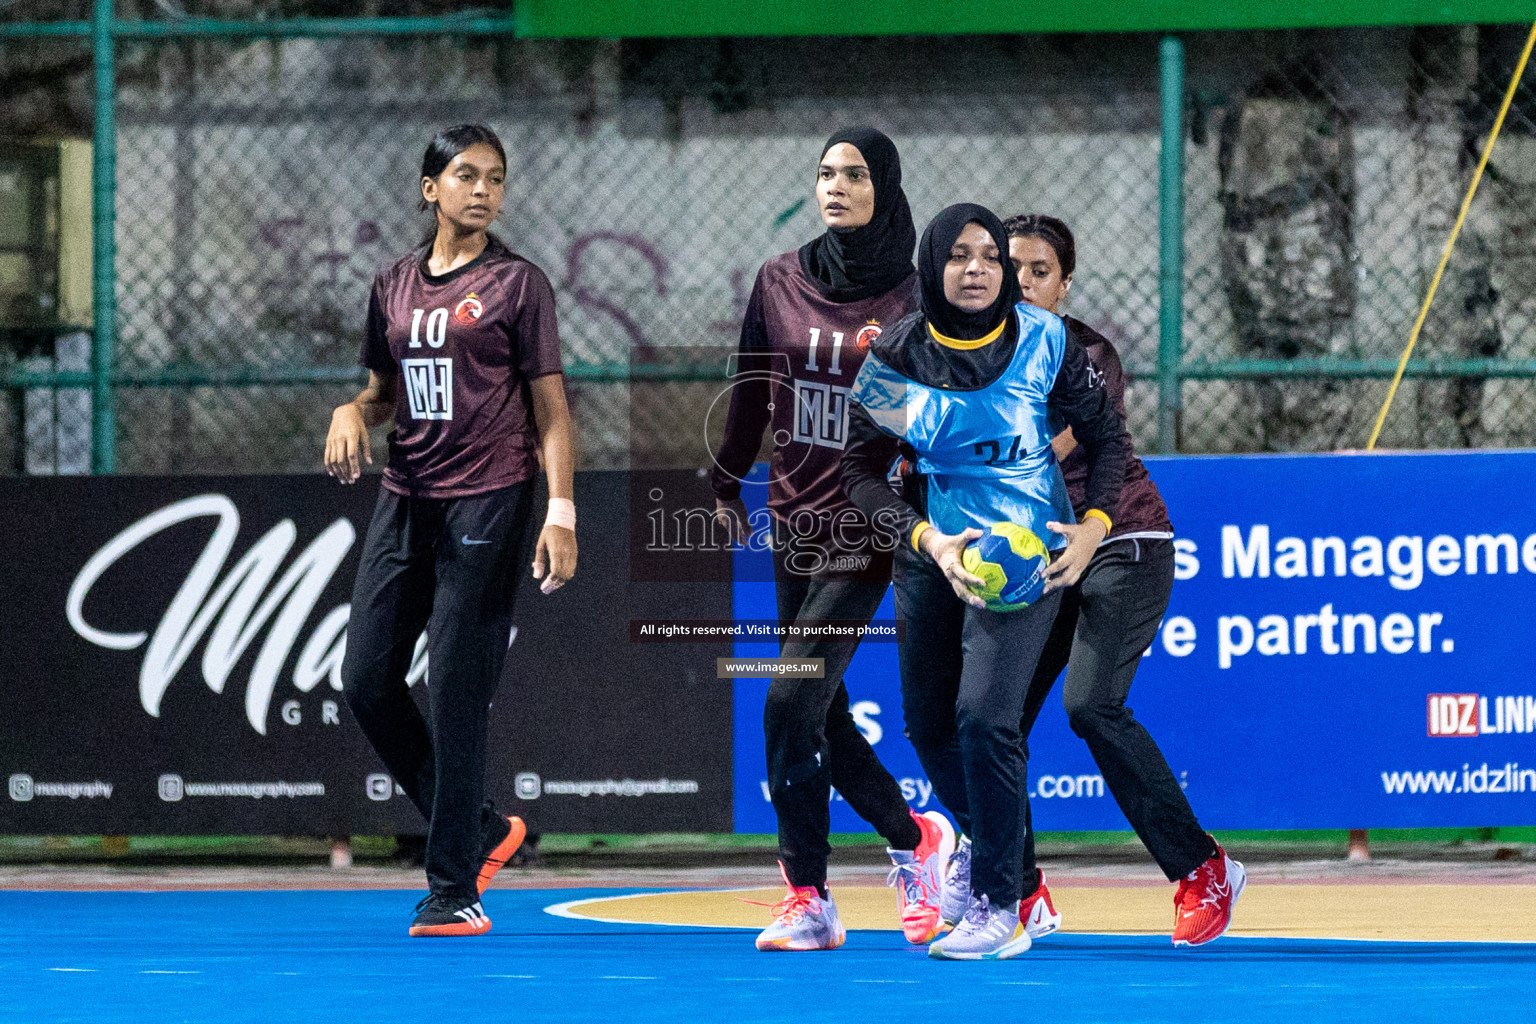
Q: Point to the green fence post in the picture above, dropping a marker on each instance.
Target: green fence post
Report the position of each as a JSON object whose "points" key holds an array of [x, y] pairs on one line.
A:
{"points": [[1170, 341], [103, 245]]}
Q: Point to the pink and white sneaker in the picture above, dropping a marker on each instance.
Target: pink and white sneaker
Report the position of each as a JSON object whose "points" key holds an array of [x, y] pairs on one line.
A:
{"points": [[918, 877], [802, 921]]}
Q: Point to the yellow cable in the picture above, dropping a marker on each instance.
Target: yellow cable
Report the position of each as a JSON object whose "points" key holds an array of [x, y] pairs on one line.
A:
{"points": [[1445, 257]]}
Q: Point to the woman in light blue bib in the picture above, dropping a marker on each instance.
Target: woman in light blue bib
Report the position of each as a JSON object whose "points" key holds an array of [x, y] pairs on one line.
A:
{"points": [[965, 392]]}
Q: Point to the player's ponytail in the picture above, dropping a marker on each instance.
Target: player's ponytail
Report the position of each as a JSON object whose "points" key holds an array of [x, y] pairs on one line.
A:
{"points": [[446, 145]]}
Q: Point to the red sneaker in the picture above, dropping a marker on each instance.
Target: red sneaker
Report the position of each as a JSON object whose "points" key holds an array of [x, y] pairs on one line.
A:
{"points": [[1203, 904], [1037, 913], [502, 852], [918, 875]]}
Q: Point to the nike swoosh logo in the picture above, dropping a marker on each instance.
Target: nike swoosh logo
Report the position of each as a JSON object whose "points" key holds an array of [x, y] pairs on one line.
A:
{"points": [[468, 541]]}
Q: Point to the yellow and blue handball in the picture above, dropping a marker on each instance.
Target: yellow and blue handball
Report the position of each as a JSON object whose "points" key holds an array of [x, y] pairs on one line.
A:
{"points": [[1011, 562]]}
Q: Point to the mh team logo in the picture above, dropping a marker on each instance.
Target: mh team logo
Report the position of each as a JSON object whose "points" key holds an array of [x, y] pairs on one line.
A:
{"points": [[429, 387], [469, 310], [1471, 714]]}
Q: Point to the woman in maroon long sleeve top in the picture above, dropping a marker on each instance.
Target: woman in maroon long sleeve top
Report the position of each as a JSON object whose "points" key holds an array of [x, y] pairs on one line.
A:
{"points": [[811, 317], [1105, 622]]}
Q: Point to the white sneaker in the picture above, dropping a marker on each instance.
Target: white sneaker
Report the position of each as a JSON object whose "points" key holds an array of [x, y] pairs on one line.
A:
{"points": [[803, 921], [984, 933], [955, 895]]}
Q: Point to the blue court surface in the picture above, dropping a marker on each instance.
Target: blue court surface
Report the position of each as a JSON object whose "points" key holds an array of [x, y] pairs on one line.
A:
{"points": [[343, 956]]}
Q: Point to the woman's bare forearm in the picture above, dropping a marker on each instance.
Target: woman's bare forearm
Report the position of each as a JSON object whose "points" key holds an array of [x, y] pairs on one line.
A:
{"points": [[376, 402], [557, 435]]}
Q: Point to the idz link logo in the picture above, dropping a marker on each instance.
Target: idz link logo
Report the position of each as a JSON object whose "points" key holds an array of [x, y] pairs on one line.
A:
{"points": [[1471, 714]]}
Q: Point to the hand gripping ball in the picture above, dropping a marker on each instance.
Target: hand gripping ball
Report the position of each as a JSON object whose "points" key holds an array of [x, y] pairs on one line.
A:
{"points": [[1011, 560]]}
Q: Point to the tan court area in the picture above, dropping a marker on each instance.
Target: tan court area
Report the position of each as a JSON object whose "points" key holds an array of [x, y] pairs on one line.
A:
{"points": [[1467, 913]]}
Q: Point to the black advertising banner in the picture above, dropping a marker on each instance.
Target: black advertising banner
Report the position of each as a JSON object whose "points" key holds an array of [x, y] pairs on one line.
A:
{"points": [[170, 664]]}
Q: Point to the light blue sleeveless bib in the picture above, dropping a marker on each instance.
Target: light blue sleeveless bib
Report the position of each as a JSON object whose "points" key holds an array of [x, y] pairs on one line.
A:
{"points": [[986, 453]]}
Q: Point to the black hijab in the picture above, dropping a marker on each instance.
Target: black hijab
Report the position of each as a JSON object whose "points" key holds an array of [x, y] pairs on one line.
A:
{"points": [[849, 264], [933, 253]]}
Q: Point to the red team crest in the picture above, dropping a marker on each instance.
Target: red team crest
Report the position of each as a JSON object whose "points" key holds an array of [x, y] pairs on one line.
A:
{"points": [[866, 336], [469, 310]]}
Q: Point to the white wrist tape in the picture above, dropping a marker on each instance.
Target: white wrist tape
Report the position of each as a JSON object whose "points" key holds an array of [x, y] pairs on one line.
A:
{"points": [[562, 512]]}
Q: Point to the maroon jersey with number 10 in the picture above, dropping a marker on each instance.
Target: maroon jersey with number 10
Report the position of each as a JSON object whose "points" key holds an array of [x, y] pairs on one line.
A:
{"points": [[462, 348]]}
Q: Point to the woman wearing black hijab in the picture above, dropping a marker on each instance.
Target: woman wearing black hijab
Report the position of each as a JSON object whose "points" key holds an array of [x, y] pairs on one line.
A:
{"points": [[966, 390], [810, 320]]}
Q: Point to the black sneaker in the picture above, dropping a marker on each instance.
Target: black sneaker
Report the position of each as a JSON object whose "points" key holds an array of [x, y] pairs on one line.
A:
{"points": [[441, 914]]}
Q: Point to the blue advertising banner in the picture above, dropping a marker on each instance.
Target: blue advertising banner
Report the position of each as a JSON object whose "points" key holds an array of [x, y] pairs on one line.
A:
{"points": [[1347, 646]]}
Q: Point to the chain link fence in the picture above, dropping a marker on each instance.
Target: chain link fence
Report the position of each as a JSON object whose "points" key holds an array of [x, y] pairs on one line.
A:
{"points": [[262, 182], [44, 95], [1324, 176]]}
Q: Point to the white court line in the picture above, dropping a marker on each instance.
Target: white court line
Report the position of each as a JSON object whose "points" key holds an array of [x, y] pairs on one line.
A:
{"points": [[75, 970], [625, 977], [567, 909]]}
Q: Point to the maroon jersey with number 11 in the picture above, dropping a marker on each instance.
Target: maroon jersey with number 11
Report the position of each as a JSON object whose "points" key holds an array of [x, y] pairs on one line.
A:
{"points": [[799, 354], [462, 347]]}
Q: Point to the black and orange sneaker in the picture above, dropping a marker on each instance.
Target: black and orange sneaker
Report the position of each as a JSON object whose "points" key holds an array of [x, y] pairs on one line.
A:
{"points": [[499, 849], [1202, 908], [443, 915]]}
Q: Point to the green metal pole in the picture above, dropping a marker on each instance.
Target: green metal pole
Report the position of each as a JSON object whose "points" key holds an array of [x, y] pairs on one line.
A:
{"points": [[103, 246], [1170, 341]]}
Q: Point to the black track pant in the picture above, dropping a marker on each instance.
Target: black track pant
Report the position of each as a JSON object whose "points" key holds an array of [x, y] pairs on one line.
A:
{"points": [[964, 675], [449, 566], [812, 742], [1104, 625]]}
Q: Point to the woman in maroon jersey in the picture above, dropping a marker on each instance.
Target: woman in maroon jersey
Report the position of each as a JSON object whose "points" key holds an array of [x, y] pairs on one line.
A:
{"points": [[463, 355], [1105, 623], [809, 322]]}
